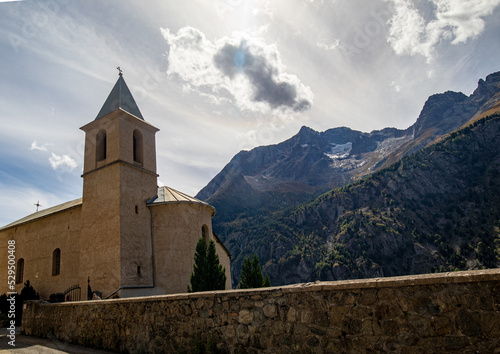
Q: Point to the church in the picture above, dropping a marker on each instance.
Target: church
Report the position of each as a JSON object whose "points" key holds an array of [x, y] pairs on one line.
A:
{"points": [[126, 236]]}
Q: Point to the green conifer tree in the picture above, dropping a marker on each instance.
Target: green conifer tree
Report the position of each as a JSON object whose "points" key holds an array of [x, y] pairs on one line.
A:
{"points": [[251, 274], [208, 274]]}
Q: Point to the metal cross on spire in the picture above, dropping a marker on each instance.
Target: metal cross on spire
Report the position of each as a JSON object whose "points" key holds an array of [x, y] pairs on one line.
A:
{"points": [[120, 71], [37, 205]]}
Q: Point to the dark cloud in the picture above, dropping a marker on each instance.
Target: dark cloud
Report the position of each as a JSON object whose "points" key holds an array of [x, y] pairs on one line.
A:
{"points": [[268, 83], [243, 70]]}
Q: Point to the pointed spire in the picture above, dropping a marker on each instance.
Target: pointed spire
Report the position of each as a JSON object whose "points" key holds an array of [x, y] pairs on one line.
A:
{"points": [[120, 97]]}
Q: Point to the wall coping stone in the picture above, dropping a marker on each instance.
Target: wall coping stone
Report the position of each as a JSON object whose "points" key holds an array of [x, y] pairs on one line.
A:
{"points": [[469, 276]]}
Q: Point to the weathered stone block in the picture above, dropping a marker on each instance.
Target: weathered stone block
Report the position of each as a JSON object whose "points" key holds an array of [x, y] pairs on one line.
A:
{"points": [[313, 342], [318, 331], [228, 332], [455, 343], [247, 304], [390, 327], [367, 328], [424, 305], [351, 325], [490, 324], [469, 323], [292, 315], [321, 319], [306, 316], [258, 342], [242, 333], [301, 330], [362, 312], [420, 325], [269, 311], [199, 303], [442, 325], [368, 297], [245, 317]]}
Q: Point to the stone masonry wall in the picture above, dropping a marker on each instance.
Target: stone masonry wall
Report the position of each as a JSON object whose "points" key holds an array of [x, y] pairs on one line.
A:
{"points": [[437, 313]]}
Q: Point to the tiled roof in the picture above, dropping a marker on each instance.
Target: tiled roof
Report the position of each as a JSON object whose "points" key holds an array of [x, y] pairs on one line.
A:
{"points": [[169, 195], [45, 212]]}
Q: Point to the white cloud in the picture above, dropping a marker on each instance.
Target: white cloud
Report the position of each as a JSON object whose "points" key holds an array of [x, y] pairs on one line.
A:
{"points": [[238, 69], [62, 163], [330, 46], [456, 21], [59, 163], [35, 146], [407, 29], [396, 86]]}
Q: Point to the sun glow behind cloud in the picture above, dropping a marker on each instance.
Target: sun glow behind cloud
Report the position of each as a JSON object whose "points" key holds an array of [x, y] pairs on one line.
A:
{"points": [[240, 69]]}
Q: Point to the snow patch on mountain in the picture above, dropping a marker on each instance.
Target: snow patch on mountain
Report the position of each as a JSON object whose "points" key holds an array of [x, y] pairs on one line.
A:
{"points": [[339, 151]]}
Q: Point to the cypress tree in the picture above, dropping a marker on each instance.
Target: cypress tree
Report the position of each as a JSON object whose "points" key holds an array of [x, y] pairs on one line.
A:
{"points": [[251, 274], [208, 274]]}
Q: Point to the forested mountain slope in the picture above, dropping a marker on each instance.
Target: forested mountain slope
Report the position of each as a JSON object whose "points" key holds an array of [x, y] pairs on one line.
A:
{"points": [[437, 210]]}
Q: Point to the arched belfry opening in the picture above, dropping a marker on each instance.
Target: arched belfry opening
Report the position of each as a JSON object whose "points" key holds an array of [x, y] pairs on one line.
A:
{"points": [[100, 145], [138, 146]]}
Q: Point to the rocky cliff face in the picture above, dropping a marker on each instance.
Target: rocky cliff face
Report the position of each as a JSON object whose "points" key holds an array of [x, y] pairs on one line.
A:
{"points": [[257, 184]]}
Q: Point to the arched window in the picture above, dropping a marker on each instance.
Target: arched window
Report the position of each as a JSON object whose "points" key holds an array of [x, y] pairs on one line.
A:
{"points": [[138, 146], [204, 233], [56, 262], [100, 145], [20, 271]]}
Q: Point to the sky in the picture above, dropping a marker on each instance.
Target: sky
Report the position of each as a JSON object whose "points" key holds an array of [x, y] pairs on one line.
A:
{"points": [[217, 77]]}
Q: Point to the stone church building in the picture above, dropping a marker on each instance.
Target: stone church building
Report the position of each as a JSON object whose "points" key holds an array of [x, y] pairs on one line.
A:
{"points": [[126, 235]]}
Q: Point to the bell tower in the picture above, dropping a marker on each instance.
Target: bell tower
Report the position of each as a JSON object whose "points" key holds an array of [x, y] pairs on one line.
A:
{"points": [[119, 177]]}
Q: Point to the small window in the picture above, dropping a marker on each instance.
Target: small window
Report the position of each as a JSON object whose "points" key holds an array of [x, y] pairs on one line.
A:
{"points": [[139, 270], [100, 144], [56, 262], [20, 271], [137, 209], [137, 146]]}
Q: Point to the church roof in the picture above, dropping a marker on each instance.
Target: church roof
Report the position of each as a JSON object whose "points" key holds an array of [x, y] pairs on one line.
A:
{"points": [[168, 195], [120, 97], [45, 212]]}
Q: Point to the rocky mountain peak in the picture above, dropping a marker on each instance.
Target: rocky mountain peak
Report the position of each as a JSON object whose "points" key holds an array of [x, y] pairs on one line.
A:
{"points": [[486, 89], [493, 79], [438, 110], [306, 131]]}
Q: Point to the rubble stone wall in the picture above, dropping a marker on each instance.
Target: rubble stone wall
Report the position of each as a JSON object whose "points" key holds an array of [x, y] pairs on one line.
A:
{"points": [[447, 312]]}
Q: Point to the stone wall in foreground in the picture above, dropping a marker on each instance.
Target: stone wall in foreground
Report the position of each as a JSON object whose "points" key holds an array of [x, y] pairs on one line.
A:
{"points": [[447, 312]]}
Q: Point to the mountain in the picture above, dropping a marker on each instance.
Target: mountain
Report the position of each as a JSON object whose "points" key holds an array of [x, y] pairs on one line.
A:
{"points": [[256, 186], [436, 210]]}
